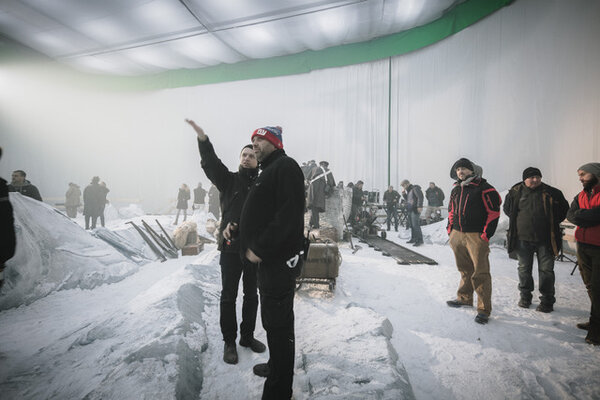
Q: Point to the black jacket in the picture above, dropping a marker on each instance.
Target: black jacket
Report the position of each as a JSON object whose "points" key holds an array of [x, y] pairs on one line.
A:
{"points": [[27, 189], [391, 199], [435, 197], [474, 207], [556, 207], [272, 221], [7, 226], [199, 195], [233, 188]]}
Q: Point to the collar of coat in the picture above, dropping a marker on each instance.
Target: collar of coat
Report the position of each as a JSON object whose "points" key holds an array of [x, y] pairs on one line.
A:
{"points": [[278, 153]]}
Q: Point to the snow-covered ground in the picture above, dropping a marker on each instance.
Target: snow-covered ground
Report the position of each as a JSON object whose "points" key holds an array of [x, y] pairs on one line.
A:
{"points": [[147, 329]]}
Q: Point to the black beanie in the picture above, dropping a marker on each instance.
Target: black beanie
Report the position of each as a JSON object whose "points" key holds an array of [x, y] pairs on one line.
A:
{"points": [[531, 171], [463, 162]]}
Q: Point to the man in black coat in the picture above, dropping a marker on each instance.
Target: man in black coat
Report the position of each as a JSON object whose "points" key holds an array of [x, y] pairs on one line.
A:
{"points": [[535, 211], [414, 206], [391, 198], [199, 196], [435, 200], [233, 188], [23, 186], [7, 228], [94, 201], [272, 236]]}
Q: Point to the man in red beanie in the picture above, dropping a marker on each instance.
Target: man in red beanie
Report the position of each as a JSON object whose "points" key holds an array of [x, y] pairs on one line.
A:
{"points": [[585, 213], [272, 236]]}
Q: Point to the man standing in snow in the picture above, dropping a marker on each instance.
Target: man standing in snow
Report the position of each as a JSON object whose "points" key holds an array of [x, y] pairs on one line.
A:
{"points": [[23, 186], [414, 206], [233, 188], [272, 236], [473, 212], [391, 198], [585, 213], [199, 195], [435, 200], [321, 184], [535, 211]]}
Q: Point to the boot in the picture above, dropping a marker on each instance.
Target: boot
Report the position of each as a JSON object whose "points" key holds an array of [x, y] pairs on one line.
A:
{"points": [[255, 345], [458, 303], [261, 370], [481, 318], [230, 355], [545, 308], [584, 325]]}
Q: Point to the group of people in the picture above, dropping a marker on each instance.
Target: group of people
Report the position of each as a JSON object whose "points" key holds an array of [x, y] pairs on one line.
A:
{"points": [[94, 201], [261, 238], [535, 212], [199, 200]]}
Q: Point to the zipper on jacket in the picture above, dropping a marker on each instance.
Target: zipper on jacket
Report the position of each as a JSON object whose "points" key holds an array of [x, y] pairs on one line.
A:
{"points": [[459, 203]]}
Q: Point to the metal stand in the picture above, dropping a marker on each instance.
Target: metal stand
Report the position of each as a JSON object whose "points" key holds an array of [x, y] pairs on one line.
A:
{"points": [[562, 257]]}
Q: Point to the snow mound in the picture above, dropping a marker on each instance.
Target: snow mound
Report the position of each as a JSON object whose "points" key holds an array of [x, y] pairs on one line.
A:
{"points": [[345, 353], [131, 211], [150, 360], [54, 253]]}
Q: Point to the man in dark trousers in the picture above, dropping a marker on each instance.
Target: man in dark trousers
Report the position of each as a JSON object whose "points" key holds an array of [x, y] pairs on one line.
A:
{"points": [[94, 201], [414, 206], [7, 228], [585, 213], [233, 188], [357, 201], [391, 198], [23, 186], [213, 201], [535, 211], [272, 236], [473, 213]]}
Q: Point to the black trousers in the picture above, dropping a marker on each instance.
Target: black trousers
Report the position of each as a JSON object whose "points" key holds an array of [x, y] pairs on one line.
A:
{"points": [[94, 220], [314, 218], [232, 268], [588, 257], [277, 292]]}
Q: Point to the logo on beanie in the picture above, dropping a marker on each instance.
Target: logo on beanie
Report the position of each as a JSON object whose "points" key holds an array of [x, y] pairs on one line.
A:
{"points": [[261, 132]]}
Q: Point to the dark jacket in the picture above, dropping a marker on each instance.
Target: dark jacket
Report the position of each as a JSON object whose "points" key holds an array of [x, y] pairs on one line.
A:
{"points": [[585, 213], [357, 196], [182, 199], [474, 206], [94, 200], [414, 198], [319, 188], [233, 188], [199, 195], [213, 201], [7, 226], [391, 199], [27, 189], [435, 197], [272, 220], [554, 205]]}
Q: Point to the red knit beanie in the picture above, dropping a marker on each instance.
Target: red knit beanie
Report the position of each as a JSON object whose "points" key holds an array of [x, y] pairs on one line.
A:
{"points": [[271, 133]]}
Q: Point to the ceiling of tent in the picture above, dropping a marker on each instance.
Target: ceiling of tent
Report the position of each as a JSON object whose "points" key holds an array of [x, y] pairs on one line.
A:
{"points": [[137, 37]]}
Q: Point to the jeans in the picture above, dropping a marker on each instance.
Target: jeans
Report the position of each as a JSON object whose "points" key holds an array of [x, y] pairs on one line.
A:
{"points": [[545, 260], [392, 212], [232, 269], [415, 227]]}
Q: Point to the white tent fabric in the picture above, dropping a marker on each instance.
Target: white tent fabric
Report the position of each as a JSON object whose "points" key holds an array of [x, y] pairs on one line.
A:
{"points": [[519, 88]]}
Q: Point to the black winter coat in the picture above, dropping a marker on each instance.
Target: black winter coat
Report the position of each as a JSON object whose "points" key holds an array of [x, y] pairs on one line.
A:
{"points": [[7, 226], [233, 188], [27, 189], [272, 220], [555, 205], [474, 207], [94, 200], [435, 197]]}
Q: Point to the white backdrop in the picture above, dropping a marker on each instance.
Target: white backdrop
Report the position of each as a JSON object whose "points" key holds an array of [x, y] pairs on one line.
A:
{"points": [[519, 88]]}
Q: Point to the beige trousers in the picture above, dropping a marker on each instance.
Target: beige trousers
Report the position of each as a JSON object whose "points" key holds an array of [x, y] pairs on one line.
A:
{"points": [[471, 254]]}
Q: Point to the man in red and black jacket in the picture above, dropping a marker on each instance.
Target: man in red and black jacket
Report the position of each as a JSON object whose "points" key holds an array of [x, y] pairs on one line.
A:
{"points": [[585, 213], [473, 213]]}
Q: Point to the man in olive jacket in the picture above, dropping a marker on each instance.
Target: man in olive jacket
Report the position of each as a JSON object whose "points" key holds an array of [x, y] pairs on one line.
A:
{"points": [[535, 211], [233, 188], [272, 236]]}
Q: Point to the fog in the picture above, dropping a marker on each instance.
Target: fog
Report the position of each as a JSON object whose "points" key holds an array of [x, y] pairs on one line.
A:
{"points": [[519, 88]]}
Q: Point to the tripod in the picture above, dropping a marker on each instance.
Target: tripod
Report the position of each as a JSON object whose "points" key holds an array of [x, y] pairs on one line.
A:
{"points": [[561, 256]]}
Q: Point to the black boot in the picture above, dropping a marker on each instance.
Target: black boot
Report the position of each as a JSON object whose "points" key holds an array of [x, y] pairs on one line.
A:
{"points": [[255, 345], [261, 370], [230, 355]]}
